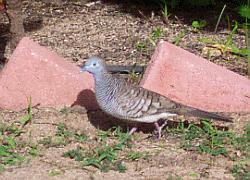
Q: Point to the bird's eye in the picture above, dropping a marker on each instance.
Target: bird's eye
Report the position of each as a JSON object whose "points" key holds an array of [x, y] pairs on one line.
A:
{"points": [[94, 64]]}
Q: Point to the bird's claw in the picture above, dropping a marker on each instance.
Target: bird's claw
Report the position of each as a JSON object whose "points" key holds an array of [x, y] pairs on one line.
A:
{"points": [[159, 128]]}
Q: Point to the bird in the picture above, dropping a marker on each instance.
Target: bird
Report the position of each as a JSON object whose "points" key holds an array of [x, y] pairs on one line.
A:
{"points": [[123, 100]]}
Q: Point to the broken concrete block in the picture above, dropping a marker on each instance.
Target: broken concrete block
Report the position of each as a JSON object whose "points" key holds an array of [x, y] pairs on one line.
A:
{"points": [[194, 81], [51, 81]]}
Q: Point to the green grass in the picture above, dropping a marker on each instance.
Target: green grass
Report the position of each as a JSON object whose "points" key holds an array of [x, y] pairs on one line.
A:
{"points": [[140, 46], [244, 11], [150, 42], [228, 44], [155, 36], [28, 116], [240, 171], [179, 37], [34, 151], [65, 110], [173, 177], [135, 155], [207, 139], [9, 148], [103, 155], [8, 154], [62, 137], [55, 172], [164, 10]]}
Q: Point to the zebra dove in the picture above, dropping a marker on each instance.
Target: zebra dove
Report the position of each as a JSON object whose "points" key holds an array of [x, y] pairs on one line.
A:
{"points": [[123, 100]]}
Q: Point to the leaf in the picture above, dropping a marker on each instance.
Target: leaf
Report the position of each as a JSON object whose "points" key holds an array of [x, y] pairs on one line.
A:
{"points": [[11, 142], [199, 24], [27, 117], [244, 11], [4, 151]]}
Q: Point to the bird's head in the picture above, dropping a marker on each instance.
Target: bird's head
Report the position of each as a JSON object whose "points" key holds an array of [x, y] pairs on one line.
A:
{"points": [[94, 65]]}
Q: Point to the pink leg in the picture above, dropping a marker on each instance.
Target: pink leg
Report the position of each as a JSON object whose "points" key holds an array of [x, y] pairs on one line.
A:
{"points": [[159, 128], [132, 130]]}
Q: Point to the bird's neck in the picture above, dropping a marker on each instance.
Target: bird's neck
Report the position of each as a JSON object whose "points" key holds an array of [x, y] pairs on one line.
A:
{"points": [[104, 88], [102, 78]]}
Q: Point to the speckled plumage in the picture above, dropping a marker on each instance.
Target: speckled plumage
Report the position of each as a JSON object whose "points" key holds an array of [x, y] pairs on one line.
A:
{"points": [[123, 100]]}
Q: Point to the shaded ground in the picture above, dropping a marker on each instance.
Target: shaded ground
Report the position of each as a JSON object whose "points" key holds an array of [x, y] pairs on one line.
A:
{"points": [[122, 34]]}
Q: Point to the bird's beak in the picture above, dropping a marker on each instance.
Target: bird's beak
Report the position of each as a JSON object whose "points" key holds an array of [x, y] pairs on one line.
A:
{"points": [[83, 69]]}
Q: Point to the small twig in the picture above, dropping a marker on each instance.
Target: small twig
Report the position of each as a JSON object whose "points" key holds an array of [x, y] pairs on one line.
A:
{"points": [[218, 21], [92, 3], [46, 123]]}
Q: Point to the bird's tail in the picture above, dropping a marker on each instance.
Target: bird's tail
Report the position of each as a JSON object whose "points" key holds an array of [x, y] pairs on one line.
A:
{"points": [[205, 114]]}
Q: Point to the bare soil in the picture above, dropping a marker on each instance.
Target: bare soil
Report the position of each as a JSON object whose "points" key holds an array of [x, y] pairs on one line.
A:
{"points": [[77, 30]]}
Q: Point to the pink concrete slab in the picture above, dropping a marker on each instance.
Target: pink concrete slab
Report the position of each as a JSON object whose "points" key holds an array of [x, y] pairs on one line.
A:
{"points": [[34, 71], [192, 80]]}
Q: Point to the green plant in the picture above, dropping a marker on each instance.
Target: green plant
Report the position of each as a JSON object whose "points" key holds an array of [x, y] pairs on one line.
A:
{"points": [[140, 46], [179, 37], [164, 10], [34, 151], [55, 172], [156, 35], [27, 118], [124, 138], [120, 167], [62, 131], [134, 77], [211, 140], [242, 142], [102, 156], [13, 129], [80, 137], [54, 141], [240, 172], [77, 154], [180, 129], [65, 110], [135, 155], [244, 11], [216, 140], [173, 177], [62, 137], [229, 39], [46, 141], [199, 24], [8, 156], [227, 45]]}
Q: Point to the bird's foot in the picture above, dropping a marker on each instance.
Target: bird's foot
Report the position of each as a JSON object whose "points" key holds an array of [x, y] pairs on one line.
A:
{"points": [[159, 128], [132, 130]]}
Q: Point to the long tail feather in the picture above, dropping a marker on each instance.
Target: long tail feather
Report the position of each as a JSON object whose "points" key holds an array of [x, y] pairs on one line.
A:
{"points": [[204, 114]]}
